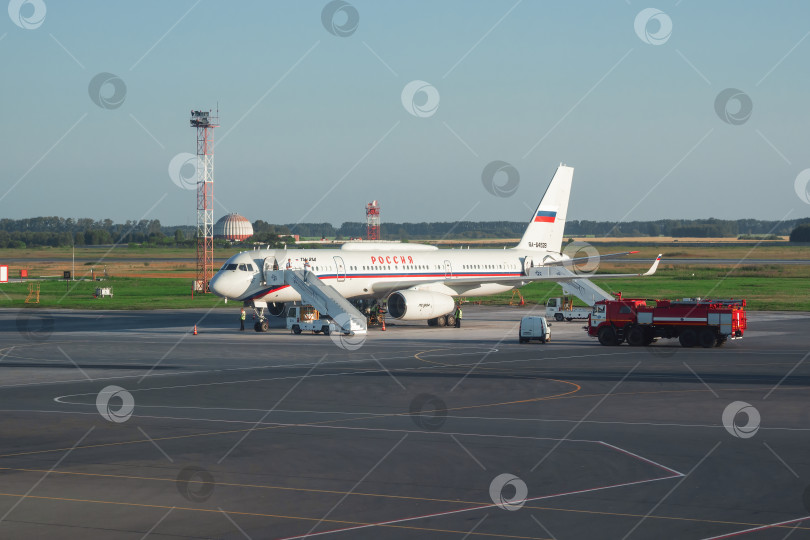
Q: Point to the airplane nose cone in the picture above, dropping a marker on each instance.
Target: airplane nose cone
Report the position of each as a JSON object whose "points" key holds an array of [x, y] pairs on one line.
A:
{"points": [[228, 285], [216, 286]]}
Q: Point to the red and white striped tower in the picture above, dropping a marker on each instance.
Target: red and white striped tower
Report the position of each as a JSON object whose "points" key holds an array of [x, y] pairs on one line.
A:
{"points": [[205, 122], [373, 221]]}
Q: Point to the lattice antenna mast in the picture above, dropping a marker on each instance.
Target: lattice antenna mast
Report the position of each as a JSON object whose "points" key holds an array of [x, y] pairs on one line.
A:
{"points": [[205, 122], [373, 221]]}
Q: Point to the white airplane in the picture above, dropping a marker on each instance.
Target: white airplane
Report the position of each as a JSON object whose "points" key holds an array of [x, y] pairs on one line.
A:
{"points": [[418, 281]]}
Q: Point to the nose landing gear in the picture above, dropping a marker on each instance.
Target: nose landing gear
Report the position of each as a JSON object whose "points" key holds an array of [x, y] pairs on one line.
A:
{"points": [[262, 324]]}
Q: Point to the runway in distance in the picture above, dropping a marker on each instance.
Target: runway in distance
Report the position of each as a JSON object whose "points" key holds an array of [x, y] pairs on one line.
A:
{"points": [[418, 281]]}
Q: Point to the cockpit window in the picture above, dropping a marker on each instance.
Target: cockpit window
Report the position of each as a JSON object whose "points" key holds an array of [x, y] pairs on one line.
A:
{"points": [[230, 267], [242, 267], [250, 267]]}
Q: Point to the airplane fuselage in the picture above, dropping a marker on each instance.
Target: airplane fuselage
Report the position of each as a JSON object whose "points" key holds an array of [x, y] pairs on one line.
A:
{"points": [[377, 273]]}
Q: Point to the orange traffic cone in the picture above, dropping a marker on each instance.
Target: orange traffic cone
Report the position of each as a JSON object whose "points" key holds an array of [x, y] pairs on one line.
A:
{"points": [[383, 328], [195, 329]]}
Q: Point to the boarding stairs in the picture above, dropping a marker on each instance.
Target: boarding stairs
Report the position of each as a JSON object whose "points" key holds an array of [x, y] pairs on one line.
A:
{"points": [[325, 298], [582, 288]]}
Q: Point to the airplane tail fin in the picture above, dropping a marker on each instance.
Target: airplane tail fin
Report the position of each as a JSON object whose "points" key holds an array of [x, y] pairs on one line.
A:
{"points": [[545, 230]]}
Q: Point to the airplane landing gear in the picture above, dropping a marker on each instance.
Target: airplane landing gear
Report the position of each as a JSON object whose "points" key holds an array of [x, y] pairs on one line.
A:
{"points": [[443, 320], [262, 324]]}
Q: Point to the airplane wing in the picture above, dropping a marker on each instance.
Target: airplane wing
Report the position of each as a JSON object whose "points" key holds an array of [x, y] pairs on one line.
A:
{"points": [[596, 258], [548, 273], [539, 273], [573, 275]]}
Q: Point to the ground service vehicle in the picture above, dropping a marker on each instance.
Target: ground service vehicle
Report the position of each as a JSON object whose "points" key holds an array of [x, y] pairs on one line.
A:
{"points": [[307, 319], [534, 327], [708, 323], [563, 309]]}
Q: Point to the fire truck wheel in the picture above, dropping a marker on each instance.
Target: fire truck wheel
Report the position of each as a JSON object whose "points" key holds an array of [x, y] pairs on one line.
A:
{"points": [[635, 337], [607, 336], [558, 317], [706, 338], [688, 338]]}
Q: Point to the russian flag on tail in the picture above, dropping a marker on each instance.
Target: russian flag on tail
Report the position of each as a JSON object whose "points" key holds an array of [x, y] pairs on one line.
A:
{"points": [[545, 216]]}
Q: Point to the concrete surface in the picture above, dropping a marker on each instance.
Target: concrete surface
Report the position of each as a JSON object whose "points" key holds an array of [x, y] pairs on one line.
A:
{"points": [[246, 435]]}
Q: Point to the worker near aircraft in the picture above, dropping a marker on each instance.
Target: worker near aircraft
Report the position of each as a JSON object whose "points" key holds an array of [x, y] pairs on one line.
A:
{"points": [[458, 315], [242, 318]]}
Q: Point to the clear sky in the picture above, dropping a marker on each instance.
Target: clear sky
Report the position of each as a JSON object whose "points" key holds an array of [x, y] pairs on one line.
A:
{"points": [[314, 123]]}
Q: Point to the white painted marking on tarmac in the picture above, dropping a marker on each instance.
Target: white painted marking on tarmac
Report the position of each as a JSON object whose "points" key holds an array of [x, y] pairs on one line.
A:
{"points": [[373, 416], [407, 357], [243, 368], [483, 507], [622, 450], [763, 333], [59, 399], [381, 430], [760, 528]]}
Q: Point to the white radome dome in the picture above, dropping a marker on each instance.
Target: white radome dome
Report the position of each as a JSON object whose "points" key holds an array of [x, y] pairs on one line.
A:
{"points": [[233, 227]]}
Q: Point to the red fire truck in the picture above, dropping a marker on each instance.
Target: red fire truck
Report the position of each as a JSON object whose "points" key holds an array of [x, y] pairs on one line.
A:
{"points": [[708, 323]]}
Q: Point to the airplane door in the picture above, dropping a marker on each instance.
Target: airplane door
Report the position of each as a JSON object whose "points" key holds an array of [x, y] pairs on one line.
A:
{"points": [[528, 263], [269, 264], [448, 269], [341, 269]]}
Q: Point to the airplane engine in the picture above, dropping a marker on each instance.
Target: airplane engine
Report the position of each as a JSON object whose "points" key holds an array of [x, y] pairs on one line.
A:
{"points": [[411, 305], [276, 309]]}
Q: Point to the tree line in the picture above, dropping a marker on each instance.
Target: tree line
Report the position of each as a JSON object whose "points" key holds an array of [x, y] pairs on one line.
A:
{"points": [[61, 232]]}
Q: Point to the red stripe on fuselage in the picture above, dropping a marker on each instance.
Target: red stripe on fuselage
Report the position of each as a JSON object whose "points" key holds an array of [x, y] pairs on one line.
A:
{"points": [[399, 276]]}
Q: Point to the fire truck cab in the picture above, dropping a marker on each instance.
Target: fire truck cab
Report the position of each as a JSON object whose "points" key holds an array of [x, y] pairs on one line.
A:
{"points": [[708, 323]]}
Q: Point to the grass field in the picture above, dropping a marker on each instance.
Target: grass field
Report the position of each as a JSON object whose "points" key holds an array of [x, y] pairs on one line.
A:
{"points": [[128, 293], [98, 252], [620, 240], [730, 250], [173, 262], [770, 287], [765, 287], [148, 278], [715, 251], [760, 293]]}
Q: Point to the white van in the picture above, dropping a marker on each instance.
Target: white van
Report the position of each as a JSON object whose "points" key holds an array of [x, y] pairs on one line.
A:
{"points": [[534, 327]]}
